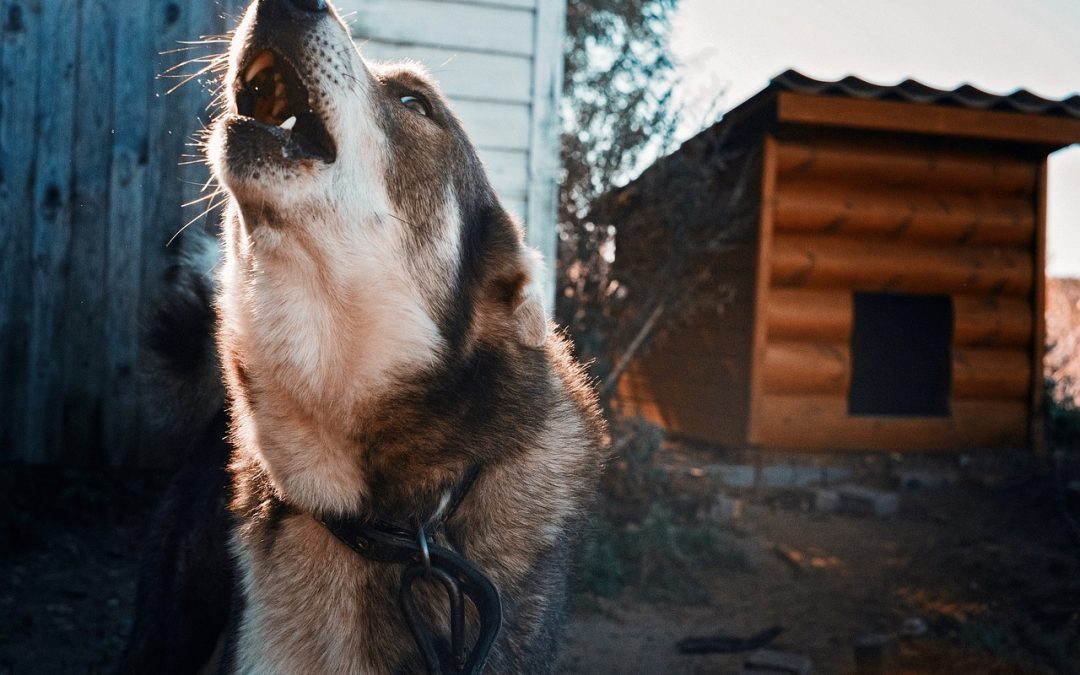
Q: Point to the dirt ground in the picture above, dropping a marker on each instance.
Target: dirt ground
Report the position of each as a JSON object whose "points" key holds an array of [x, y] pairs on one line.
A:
{"points": [[988, 566], [971, 565]]}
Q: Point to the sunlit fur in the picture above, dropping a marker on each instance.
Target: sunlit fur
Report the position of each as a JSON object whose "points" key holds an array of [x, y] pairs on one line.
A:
{"points": [[381, 329]]}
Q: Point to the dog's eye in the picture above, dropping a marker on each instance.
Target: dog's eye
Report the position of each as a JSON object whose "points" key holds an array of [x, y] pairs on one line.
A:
{"points": [[414, 104]]}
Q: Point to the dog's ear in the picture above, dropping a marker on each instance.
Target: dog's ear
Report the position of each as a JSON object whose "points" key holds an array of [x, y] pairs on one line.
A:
{"points": [[527, 303]]}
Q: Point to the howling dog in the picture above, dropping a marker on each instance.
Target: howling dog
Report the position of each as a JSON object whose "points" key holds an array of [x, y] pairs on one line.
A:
{"points": [[410, 451]]}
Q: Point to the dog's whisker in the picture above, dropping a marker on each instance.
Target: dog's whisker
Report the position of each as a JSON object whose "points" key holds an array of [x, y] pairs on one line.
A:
{"points": [[187, 79], [214, 59], [186, 225], [201, 199]]}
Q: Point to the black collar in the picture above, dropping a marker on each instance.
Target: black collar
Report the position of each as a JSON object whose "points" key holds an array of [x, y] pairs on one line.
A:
{"points": [[423, 559]]}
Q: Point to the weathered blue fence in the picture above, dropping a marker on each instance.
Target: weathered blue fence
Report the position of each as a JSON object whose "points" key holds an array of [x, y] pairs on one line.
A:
{"points": [[91, 187]]}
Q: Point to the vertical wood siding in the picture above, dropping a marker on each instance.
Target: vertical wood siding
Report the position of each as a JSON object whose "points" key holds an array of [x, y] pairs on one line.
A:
{"points": [[500, 63], [92, 181], [90, 192]]}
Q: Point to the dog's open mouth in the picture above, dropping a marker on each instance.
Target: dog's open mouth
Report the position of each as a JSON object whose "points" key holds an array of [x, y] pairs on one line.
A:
{"points": [[271, 92]]}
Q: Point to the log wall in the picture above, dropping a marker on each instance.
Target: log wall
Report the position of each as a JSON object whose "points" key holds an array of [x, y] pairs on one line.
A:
{"points": [[842, 215], [692, 381]]}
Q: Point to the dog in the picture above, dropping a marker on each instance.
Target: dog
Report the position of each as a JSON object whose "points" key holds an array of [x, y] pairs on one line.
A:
{"points": [[390, 376]]}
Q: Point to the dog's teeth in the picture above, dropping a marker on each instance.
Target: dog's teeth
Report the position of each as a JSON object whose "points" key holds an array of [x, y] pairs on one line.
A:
{"points": [[261, 62], [288, 124]]}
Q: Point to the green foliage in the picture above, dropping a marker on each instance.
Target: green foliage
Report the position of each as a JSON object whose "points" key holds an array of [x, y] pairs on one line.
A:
{"points": [[617, 88], [639, 543], [1063, 421], [659, 560]]}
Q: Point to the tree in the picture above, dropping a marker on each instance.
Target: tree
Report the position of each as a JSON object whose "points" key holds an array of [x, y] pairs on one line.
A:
{"points": [[618, 111]]}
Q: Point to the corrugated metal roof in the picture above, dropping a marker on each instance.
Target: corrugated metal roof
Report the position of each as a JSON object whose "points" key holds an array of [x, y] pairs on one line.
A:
{"points": [[913, 91]]}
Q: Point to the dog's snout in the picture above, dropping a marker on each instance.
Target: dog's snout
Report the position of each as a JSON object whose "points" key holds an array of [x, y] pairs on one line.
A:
{"points": [[310, 5], [292, 10]]}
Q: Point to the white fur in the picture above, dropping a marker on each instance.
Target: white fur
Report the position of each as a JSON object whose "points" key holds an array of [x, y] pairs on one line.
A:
{"points": [[334, 300], [329, 308]]}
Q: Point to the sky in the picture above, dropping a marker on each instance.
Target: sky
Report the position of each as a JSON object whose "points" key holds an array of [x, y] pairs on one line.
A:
{"points": [[734, 48]]}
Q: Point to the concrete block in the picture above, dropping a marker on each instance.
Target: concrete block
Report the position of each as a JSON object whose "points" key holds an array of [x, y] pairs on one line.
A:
{"points": [[791, 476], [734, 475], [725, 509], [826, 501], [917, 479], [776, 661], [865, 501], [835, 474]]}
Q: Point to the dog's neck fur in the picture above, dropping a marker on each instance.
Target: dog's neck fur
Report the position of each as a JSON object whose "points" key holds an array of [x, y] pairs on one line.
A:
{"points": [[320, 350]]}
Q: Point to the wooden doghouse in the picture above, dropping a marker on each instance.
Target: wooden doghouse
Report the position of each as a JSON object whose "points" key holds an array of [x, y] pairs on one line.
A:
{"points": [[881, 250]]}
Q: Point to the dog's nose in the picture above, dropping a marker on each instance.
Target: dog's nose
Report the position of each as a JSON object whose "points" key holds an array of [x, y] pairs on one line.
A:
{"points": [[310, 5]]}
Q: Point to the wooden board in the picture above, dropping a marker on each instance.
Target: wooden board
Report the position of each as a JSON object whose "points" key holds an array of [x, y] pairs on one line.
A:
{"points": [[145, 197], [1038, 301], [823, 423], [991, 374], [1044, 130], [20, 43], [906, 165], [83, 366], [810, 314], [521, 4], [544, 139], [826, 315], [51, 226], [495, 126], [807, 368], [508, 171], [867, 265], [990, 321], [762, 287], [461, 73], [481, 28], [904, 214]]}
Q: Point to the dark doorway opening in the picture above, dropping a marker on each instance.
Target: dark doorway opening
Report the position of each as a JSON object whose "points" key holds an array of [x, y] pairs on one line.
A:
{"points": [[901, 355]]}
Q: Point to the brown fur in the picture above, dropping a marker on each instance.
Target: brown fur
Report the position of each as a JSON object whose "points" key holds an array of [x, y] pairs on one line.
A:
{"points": [[330, 416], [381, 337]]}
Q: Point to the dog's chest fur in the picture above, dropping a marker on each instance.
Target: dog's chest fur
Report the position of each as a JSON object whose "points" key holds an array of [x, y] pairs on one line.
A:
{"points": [[312, 605]]}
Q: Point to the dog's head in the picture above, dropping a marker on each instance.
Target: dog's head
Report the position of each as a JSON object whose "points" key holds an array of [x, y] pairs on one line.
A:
{"points": [[358, 177]]}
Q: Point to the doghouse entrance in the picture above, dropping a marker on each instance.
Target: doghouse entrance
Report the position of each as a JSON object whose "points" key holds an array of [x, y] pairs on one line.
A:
{"points": [[901, 355]]}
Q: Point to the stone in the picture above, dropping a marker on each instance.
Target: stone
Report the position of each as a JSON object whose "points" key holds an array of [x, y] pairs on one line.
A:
{"points": [[826, 501], [866, 501], [918, 479], [725, 509]]}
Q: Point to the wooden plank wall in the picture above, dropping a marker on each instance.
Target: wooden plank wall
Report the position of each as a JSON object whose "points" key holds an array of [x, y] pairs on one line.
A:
{"points": [[849, 215], [692, 381], [90, 192], [501, 66]]}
